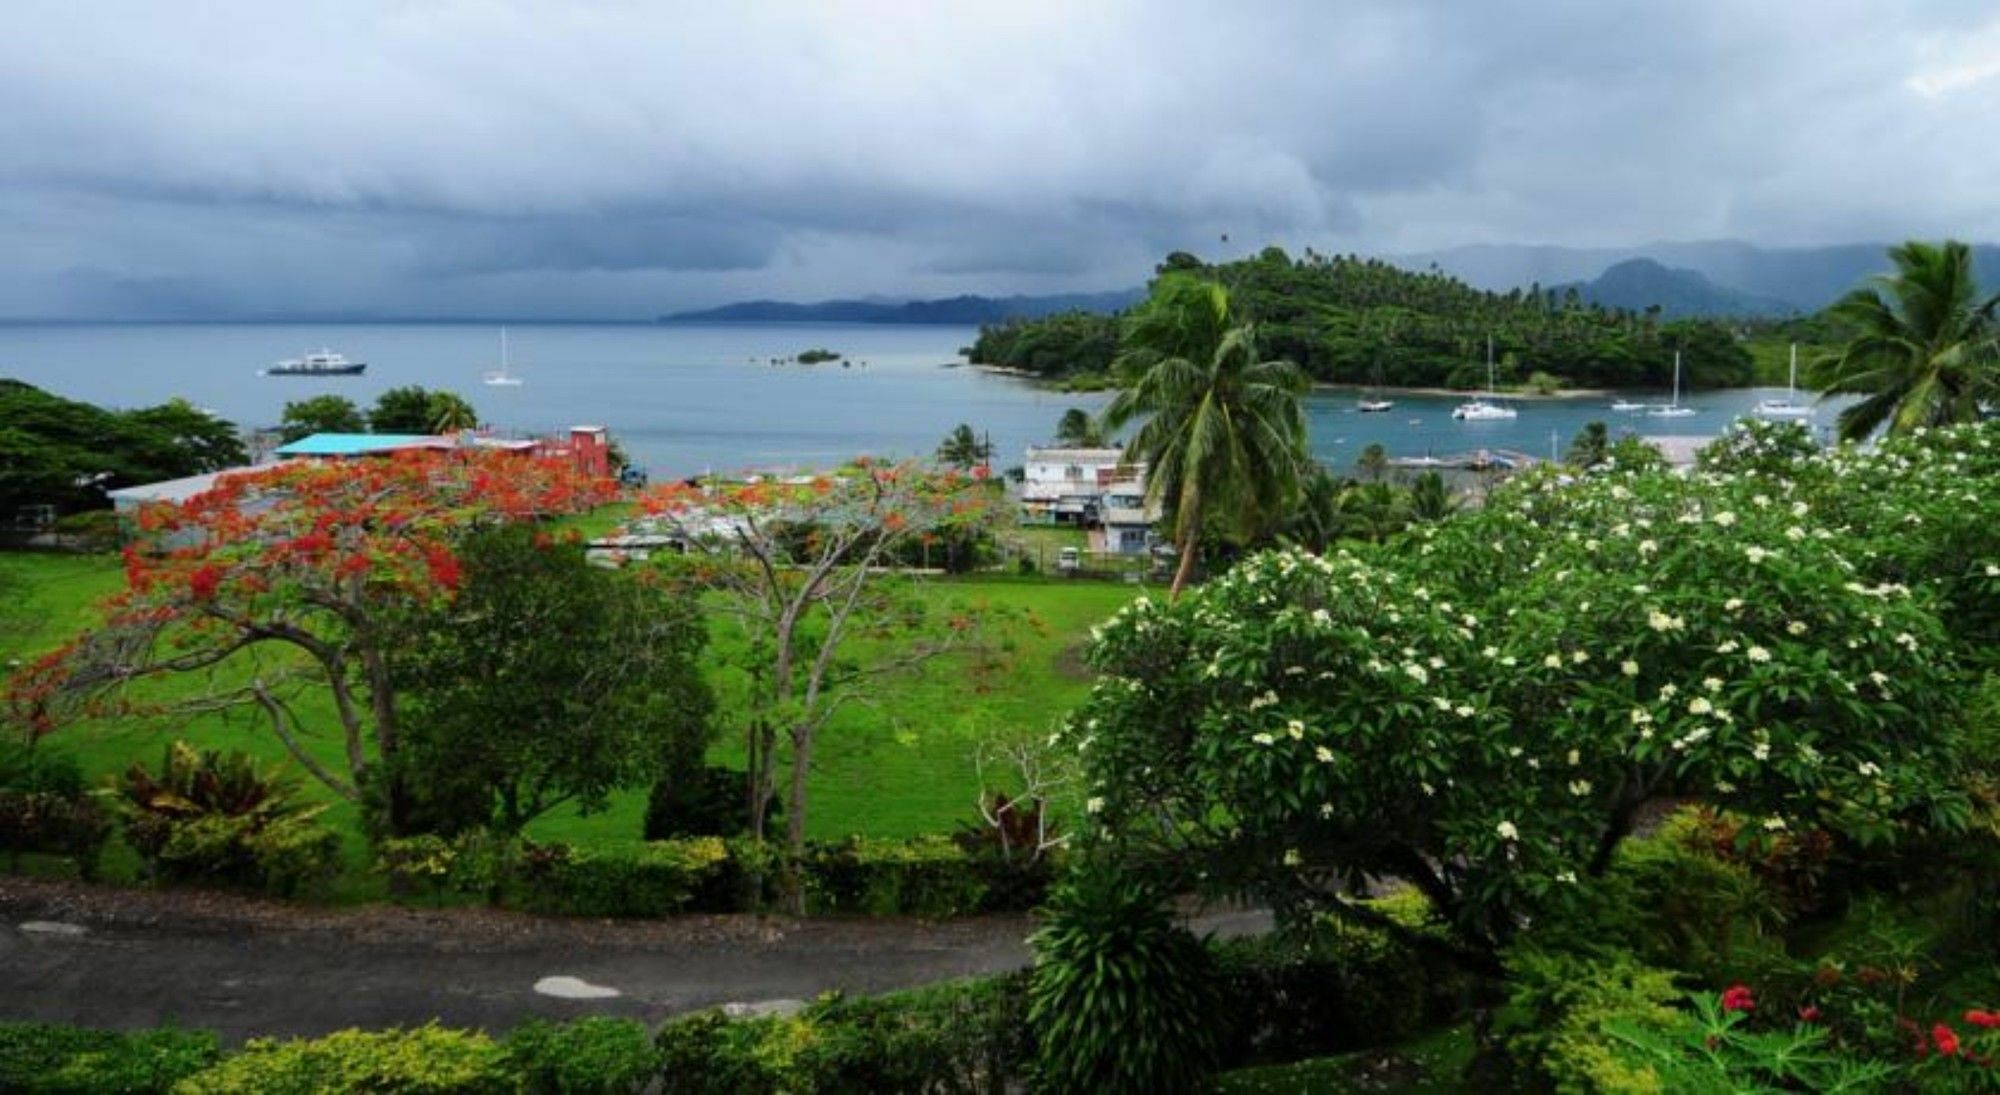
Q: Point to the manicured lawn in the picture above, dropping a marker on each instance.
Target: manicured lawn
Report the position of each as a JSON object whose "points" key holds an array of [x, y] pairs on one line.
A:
{"points": [[897, 765]]}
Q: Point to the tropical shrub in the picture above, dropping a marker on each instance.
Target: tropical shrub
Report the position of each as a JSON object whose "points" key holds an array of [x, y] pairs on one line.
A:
{"points": [[1754, 446], [1433, 711], [922, 876], [52, 1059], [708, 801], [1554, 1027], [218, 817], [51, 824], [1328, 986], [594, 1056], [428, 1060], [962, 1038], [1123, 1000], [655, 879]]}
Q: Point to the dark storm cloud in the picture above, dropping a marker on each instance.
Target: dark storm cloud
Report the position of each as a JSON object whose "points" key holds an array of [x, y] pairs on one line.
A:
{"points": [[623, 158]]}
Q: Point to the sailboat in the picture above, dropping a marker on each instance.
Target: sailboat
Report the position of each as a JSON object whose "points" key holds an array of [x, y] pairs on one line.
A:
{"points": [[501, 378], [1674, 409], [1627, 406], [1483, 410], [1788, 407], [1374, 404]]}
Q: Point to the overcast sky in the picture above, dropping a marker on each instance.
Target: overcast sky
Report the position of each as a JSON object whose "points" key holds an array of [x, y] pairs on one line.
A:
{"points": [[623, 159]]}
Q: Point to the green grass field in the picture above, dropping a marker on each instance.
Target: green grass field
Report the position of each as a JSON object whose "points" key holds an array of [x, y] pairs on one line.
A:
{"points": [[897, 765]]}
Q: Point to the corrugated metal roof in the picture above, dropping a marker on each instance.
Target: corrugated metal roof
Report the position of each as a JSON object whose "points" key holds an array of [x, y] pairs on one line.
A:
{"points": [[173, 490], [357, 444]]}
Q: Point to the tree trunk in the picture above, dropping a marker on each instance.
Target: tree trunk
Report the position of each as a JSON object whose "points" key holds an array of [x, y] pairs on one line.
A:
{"points": [[795, 822], [1190, 535]]}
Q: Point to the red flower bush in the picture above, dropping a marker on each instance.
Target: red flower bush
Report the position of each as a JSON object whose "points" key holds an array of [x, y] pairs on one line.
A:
{"points": [[1946, 1040], [1984, 1020], [1738, 998]]}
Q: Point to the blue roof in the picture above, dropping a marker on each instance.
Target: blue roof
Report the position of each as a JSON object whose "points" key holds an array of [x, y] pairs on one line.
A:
{"points": [[353, 444]]}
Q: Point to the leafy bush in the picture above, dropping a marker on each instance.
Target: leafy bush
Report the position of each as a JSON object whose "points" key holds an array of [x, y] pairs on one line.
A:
{"points": [[1123, 1000], [655, 879], [1754, 446], [476, 862], [593, 1056], [709, 801], [1013, 852], [428, 1060], [922, 876], [1555, 1026], [963, 1038], [51, 1059], [33, 767], [1328, 986], [53, 824], [217, 817]]}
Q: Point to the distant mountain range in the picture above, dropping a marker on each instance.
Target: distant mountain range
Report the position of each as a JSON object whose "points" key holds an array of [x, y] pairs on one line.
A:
{"points": [[1802, 278], [966, 310], [1639, 284]]}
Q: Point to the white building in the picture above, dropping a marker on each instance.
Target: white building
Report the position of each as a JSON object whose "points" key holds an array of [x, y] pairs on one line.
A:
{"points": [[1062, 486]]}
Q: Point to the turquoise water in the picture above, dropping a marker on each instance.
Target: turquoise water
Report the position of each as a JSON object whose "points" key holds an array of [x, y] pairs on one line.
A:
{"points": [[684, 399]]}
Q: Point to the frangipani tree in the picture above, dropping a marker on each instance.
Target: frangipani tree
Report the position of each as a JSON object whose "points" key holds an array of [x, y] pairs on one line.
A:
{"points": [[804, 566], [288, 576], [1480, 708]]}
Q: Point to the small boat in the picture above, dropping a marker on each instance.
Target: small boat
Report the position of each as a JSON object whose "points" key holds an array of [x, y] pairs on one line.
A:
{"points": [[1788, 407], [1674, 408], [1374, 406], [501, 378], [1483, 410], [323, 363], [1627, 406]]}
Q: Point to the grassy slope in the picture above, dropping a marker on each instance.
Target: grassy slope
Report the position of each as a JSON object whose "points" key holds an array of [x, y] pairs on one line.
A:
{"points": [[897, 766]]}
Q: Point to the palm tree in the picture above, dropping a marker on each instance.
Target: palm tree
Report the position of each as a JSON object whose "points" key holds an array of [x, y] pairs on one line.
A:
{"points": [[1076, 428], [1590, 446], [963, 449], [1430, 499], [1374, 460], [1926, 353], [1224, 433]]}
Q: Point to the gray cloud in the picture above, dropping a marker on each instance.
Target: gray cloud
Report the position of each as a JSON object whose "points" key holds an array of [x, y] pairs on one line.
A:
{"points": [[542, 156]]}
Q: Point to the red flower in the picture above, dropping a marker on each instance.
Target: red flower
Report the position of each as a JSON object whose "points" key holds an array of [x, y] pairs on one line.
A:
{"points": [[1984, 1020], [1946, 1039], [443, 566], [1809, 1014], [204, 580], [1737, 998]]}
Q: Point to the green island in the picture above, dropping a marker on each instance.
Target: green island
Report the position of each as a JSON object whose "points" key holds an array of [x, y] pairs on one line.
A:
{"points": [[1612, 777], [1350, 320], [817, 356]]}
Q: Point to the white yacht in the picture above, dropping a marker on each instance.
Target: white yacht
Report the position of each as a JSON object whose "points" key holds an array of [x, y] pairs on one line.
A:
{"points": [[501, 378], [1374, 406], [1674, 408], [323, 363], [1484, 410], [1627, 406], [1788, 407]]}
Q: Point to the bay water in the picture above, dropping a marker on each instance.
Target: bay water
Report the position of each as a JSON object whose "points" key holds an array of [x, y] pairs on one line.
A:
{"points": [[687, 399]]}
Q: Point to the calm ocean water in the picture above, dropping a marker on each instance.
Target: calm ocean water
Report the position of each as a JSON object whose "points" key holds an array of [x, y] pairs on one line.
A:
{"points": [[684, 399]]}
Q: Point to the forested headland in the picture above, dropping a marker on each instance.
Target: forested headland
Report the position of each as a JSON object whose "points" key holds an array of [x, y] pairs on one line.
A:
{"points": [[1352, 320]]}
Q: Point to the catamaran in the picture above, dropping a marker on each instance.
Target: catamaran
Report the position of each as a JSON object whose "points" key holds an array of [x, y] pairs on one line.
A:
{"points": [[1788, 407], [1371, 401], [1483, 410], [1674, 409], [323, 363], [501, 378]]}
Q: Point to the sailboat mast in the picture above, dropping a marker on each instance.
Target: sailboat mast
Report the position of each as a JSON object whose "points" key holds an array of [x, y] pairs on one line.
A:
{"points": [[1677, 378], [1489, 365], [1792, 385]]}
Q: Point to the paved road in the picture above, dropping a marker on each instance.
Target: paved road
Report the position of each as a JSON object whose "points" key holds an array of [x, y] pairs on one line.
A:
{"points": [[124, 958]]}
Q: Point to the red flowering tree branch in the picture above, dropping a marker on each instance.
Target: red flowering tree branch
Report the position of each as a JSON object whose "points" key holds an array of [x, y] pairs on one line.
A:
{"points": [[805, 566], [284, 578]]}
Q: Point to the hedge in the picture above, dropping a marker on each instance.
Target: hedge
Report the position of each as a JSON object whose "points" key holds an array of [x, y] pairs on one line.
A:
{"points": [[51, 1059]]}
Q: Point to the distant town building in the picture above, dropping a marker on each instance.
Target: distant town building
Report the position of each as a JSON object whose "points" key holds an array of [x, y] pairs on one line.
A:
{"points": [[1094, 489]]}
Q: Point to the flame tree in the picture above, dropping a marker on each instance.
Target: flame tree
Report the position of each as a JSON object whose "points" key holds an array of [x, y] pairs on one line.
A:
{"points": [[806, 568], [286, 580]]}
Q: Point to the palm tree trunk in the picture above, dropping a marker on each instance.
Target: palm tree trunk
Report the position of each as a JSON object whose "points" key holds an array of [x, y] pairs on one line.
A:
{"points": [[1190, 535]]}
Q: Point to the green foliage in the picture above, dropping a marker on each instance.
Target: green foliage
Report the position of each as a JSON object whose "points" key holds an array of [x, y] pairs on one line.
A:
{"points": [[1561, 1005], [1062, 345], [427, 1060], [1328, 986], [1222, 431], [1078, 429], [1304, 719], [1590, 447], [592, 1056], [52, 1059], [964, 449], [1123, 1000], [658, 878], [1753, 446], [544, 681], [924, 876], [706, 801], [320, 414], [56, 451], [416, 410], [73, 827], [1713, 1048], [961, 1038], [1924, 352], [217, 817], [1348, 319]]}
